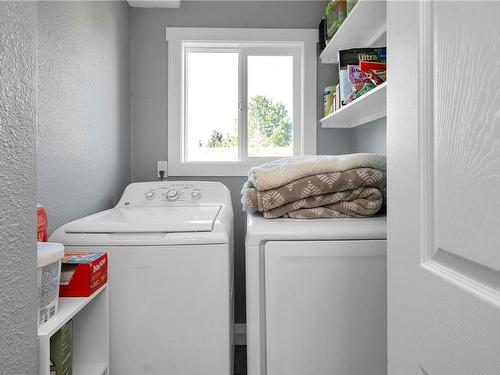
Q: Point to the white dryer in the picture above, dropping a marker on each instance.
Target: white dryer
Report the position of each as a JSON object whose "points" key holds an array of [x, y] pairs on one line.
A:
{"points": [[316, 296], [170, 249]]}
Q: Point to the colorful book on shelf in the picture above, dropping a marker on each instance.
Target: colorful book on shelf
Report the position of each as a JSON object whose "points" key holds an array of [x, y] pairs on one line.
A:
{"points": [[375, 71], [353, 57], [359, 81]]}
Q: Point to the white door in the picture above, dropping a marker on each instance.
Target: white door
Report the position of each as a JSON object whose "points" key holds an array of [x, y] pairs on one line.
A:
{"points": [[326, 307], [444, 188]]}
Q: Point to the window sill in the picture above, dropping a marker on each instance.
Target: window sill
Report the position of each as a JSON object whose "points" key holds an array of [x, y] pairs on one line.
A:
{"points": [[208, 169]]}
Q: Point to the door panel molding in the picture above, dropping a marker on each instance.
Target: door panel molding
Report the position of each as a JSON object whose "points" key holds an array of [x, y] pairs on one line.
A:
{"points": [[465, 270], [426, 124], [465, 282]]}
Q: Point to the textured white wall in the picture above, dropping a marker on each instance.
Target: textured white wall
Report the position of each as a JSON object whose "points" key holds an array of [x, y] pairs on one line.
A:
{"points": [[83, 135], [18, 341]]}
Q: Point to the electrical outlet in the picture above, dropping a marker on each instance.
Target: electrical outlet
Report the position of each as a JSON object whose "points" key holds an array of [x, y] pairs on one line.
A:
{"points": [[162, 165]]}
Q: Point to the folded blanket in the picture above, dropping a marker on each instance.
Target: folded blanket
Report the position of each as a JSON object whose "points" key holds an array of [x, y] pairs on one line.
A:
{"points": [[361, 202], [317, 186]]}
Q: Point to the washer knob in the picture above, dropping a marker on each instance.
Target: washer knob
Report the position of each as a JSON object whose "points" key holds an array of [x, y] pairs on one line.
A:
{"points": [[196, 194], [172, 194], [150, 194]]}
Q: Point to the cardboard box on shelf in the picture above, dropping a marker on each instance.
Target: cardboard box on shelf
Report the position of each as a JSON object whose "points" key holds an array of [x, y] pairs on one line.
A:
{"points": [[83, 273]]}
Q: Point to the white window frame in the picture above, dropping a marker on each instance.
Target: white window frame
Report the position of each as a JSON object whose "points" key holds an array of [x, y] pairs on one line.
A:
{"points": [[298, 42]]}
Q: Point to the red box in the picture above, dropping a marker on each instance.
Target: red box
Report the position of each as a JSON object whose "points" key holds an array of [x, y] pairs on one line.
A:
{"points": [[82, 273]]}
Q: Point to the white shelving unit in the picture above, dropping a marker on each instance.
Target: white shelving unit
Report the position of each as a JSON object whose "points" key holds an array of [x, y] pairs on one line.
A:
{"points": [[90, 333], [365, 26], [366, 108]]}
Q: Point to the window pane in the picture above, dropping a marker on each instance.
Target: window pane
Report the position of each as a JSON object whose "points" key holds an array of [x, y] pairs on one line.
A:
{"points": [[270, 106], [212, 106]]}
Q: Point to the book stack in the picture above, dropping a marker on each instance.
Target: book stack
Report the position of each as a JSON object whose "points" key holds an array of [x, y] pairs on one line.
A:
{"points": [[331, 100], [360, 70]]}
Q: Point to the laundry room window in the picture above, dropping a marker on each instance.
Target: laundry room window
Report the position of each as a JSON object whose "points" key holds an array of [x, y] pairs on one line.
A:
{"points": [[235, 102], [211, 105]]}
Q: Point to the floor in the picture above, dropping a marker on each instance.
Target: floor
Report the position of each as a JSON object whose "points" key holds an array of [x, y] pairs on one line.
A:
{"points": [[240, 360]]}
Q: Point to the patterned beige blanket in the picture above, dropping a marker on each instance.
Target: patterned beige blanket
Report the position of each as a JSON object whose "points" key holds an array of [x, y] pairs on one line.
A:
{"points": [[317, 187]]}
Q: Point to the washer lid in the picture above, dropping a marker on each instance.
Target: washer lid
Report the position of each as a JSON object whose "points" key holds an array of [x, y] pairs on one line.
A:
{"points": [[172, 219]]}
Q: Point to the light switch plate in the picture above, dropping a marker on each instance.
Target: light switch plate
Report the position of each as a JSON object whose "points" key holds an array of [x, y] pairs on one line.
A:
{"points": [[162, 165]]}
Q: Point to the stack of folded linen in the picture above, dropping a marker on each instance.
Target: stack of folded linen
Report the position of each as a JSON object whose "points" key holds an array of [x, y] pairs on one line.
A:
{"points": [[310, 187]]}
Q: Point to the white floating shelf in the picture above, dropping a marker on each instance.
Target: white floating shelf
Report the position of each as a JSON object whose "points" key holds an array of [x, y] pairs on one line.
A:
{"points": [[365, 26], [67, 308], [366, 108]]}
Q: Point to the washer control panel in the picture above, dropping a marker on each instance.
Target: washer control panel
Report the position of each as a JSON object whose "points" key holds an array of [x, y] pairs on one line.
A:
{"points": [[180, 193], [174, 192]]}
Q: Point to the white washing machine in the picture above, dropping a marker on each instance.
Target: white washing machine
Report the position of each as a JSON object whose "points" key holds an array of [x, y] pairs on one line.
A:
{"points": [[170, 249], [316, 296]]}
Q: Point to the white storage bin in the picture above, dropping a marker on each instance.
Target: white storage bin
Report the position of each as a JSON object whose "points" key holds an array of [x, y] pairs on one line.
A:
{"points": [[49, 255]]}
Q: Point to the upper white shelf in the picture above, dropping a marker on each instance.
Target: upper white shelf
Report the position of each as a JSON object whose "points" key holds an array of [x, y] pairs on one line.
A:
{"points": [[366, 108], [365, 26], [67, 308]]}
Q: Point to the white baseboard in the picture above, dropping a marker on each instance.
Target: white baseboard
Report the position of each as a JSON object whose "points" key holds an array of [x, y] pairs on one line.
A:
{"points": [[240, 334]]}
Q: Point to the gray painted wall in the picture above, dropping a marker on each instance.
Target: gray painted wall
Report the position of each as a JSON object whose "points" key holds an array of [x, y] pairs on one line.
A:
{"points": [[84, 112], [370, 137], [149, 89], [18, 338]]}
